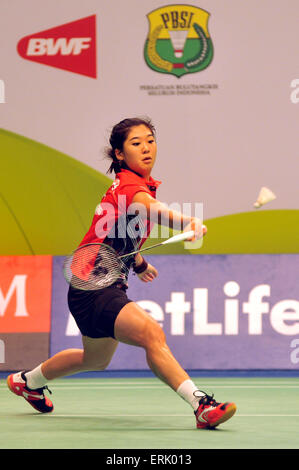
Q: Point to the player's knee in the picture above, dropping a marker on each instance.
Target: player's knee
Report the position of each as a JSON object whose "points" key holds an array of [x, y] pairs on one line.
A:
{"points": [[154, 336], [96, 363]]}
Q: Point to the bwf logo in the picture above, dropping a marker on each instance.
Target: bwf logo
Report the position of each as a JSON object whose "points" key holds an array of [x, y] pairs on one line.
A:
{"points": [[52, 46], [71, 47]]}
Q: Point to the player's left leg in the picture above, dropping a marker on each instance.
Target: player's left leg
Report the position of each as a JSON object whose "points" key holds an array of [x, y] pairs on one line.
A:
{"points": [[96, 355], [31, 385]]}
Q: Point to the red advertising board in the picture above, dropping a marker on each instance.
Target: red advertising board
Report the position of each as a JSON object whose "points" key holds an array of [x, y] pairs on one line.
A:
{"points": [[25, 294], [70, 46]]}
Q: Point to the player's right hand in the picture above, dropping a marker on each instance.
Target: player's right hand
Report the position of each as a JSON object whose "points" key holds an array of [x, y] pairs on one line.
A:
{"points": [[198, 228]]}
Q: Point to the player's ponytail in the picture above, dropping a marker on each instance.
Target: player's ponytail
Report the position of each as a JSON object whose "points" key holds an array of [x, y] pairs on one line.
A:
{"points": [[116, 164], [118, 136]]}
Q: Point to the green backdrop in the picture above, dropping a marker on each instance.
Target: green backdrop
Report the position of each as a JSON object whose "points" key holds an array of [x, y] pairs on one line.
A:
{"points": [[47, 201]]}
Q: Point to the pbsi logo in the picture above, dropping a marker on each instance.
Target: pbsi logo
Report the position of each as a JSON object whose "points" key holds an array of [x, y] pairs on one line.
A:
{"points": [[178, 41], [70, 47]]}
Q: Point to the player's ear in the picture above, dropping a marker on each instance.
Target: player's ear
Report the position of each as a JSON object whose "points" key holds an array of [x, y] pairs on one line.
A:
{"points": [[119, 154]]}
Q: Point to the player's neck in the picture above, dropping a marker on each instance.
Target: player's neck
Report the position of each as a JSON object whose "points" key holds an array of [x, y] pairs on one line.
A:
{"points": [[124, 166]]}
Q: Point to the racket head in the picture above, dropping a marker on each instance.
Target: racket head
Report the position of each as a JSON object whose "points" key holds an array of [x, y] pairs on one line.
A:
{"points": [[94, 266]]}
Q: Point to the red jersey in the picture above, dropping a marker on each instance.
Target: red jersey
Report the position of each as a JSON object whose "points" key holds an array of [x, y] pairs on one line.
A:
{"points": [[116, 221]]}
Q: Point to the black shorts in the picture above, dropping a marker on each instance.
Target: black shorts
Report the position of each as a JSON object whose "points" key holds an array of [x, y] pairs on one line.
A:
{"points": [[95, 312]]}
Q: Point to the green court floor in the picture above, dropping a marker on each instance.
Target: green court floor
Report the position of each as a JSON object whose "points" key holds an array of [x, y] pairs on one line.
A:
{"points": [[143, 413]]}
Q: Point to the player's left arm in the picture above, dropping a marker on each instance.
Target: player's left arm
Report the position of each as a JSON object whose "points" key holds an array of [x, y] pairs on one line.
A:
{"points": [[150, 272]]}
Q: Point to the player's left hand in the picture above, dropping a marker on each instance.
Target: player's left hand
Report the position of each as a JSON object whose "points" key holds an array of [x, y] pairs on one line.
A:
{"points": [[149, 274]]}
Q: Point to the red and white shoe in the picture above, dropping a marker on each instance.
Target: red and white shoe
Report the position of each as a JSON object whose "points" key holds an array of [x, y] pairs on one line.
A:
{"points": [[210, 414], [17, 384]]}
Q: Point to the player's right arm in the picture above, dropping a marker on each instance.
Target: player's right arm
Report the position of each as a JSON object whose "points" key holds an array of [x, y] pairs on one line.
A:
{"points": [[159, 213]]}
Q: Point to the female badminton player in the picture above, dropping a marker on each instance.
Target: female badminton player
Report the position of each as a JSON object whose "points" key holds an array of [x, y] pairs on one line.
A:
{"points": [[107, 316]]}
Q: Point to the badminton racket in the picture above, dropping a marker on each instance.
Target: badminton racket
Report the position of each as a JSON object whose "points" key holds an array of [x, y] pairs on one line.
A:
{"points": [[96, 265]]}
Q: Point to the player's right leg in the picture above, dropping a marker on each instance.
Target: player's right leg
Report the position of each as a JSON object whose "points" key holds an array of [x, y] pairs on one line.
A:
{"points": [[134, 326]]}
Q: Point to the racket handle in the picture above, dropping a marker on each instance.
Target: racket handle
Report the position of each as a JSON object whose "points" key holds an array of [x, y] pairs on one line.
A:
{"points": [[176, 238], [180, 237]]}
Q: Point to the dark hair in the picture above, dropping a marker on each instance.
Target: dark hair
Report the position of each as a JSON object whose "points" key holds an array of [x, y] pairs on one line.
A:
{"points": [[118, 136]]}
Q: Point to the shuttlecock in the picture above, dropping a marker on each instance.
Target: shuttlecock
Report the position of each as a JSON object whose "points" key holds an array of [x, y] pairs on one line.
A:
{"points": [[265, 195]]}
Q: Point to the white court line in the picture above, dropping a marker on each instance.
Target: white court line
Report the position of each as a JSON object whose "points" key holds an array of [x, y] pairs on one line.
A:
{"points": [[134, 387], [72, 382], [160, 415], [158, 384], [157, 387]]}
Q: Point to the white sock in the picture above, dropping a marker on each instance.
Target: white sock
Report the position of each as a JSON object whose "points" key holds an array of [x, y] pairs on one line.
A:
{"points": [[35, 378], [186, 390]]}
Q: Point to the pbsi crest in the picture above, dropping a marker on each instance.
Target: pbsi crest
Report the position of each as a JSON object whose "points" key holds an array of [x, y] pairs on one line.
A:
{"points": [[178, 41]]}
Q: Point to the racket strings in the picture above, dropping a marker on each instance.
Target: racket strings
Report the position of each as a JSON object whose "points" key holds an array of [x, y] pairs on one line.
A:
{"points": [[95, 266]]}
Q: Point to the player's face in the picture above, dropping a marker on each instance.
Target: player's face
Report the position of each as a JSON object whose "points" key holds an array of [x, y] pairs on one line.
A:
{"points": [[139, 150]]}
